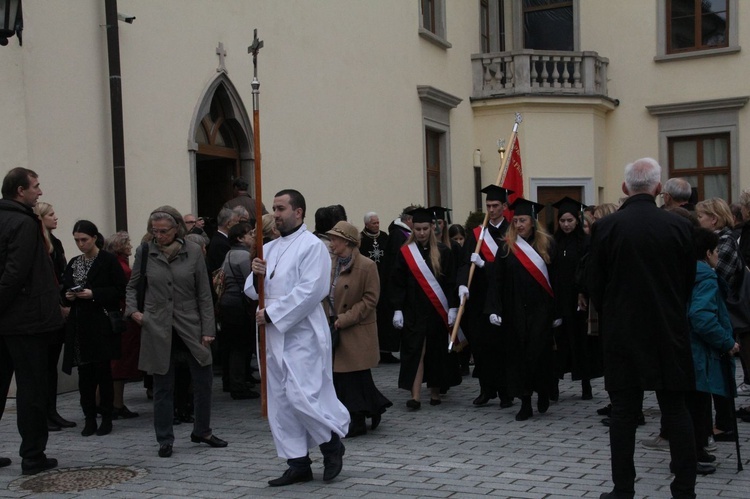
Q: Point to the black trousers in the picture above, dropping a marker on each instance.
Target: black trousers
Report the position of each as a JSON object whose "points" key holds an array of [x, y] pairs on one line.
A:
{"points": [[626, 407], [91, 376], [699, 405], [26, 355], [52, 374]]}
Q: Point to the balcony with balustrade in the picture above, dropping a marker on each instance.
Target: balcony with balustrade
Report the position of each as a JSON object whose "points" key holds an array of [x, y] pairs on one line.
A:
{"points": [[543, 73]]}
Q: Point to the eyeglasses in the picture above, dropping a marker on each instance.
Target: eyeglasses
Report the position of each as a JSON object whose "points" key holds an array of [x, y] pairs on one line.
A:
{"points": [[191, 222], [156, 232]]}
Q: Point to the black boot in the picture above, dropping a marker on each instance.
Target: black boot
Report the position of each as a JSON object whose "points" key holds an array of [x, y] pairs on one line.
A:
{"points": [[89, 428], [542, 402], [525, 412], [586, 390], [106, 427], [358, 426]]}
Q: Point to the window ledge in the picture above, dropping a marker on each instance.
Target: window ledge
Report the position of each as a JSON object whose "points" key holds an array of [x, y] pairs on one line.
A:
{"points": [[697, 54], [435, 39]]}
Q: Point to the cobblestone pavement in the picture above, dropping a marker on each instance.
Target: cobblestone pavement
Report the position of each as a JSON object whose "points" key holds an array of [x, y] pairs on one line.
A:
{"points": [[452, 450]]}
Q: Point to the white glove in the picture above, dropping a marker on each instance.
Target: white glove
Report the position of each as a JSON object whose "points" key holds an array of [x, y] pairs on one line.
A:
{"points": [[452, 314], [398, 319], [463, 291], [477, 260], [496, 320], [557, 323]]}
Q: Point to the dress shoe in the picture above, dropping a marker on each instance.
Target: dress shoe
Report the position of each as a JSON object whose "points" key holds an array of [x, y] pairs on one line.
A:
{"points": [[61, 421], [291, 476], [605, 411], [358, 426], [482, 399], [435, 401], [725, 436], [525, 412], [52, 426], [586, 393], [244, 395], [705, 457], [742, 412], [4, 461], [333, 463], [705, 469], [105, 428], [554, 393], [89, 428], [34, 466], [542, 403], [505, 403], [123, 413], [413, 404], [165, 450], [376, 421], [213, 440]]}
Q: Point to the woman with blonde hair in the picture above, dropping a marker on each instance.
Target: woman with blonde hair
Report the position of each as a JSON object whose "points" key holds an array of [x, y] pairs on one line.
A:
{"points": [[521, 302], [603, 210], [423, 295]]}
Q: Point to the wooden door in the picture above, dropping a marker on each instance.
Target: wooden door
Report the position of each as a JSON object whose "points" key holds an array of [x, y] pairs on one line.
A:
{"points": [[549, 195]]}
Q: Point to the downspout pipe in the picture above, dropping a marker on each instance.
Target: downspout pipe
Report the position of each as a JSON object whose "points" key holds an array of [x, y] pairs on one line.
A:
{"points": [[115, 100]]}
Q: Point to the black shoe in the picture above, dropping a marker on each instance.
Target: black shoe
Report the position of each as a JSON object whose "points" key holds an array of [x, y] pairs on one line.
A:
{"points": [[482, 399], [291, 476], [89, 428], [376, 421], [705, 457], [586, 393], [123, 412], [333, 463], [505, 403], [742, 412], [705, 469], [542, 403], [61, 421], [413, 404], [4, 461], [165, 450], [554, 393], [435, 401], [34, 466], [245, 395], [725, 436], [52, 426], [213, 440], [388, 358], [525, 412], [605, 411], [105, 428]]}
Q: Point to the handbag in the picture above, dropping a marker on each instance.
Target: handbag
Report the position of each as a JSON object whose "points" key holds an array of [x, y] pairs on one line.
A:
{"points": [[116, 321], [335, 333], [738, 304], [142, 281]]}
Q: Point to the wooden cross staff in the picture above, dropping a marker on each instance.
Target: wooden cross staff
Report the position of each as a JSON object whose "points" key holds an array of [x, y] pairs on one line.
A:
{"points": [[254, 49], [500, 178]]}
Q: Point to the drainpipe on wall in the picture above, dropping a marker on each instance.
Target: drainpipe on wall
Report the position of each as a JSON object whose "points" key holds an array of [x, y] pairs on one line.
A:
{"points": [[115, 99]]}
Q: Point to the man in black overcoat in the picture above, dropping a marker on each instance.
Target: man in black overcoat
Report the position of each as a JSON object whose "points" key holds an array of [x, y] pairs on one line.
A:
{"points": [[641, 272]]}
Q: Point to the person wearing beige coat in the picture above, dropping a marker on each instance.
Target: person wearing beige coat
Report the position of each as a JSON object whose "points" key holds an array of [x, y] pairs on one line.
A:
{"points": [[351, 308]]}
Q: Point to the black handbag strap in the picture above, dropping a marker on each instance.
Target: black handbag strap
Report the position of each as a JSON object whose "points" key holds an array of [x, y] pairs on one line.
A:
{"points": [[141, 296]]}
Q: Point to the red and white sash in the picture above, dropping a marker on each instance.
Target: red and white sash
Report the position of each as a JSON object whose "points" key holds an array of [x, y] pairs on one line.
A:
{"points": [[426, 280], [489, 246], [534, 263]]}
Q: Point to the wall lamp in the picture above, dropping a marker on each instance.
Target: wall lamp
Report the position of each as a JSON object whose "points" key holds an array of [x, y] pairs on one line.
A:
{"points": [[11, 21]]}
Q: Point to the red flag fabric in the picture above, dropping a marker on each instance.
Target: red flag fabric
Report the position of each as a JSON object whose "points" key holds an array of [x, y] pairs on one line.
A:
{"points": [[514, 177]]}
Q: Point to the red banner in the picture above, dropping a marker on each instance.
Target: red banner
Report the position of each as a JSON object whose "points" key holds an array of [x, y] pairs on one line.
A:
{"points": [[514, 177]]}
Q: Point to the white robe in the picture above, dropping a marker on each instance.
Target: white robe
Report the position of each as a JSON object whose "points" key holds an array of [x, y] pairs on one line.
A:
{"points": [[303, 408]]}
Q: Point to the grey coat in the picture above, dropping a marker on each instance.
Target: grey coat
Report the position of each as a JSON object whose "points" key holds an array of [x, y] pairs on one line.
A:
{"points": [[178, 295]]}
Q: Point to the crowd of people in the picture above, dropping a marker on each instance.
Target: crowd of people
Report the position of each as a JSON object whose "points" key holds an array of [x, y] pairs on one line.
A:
{"points": [[627, 291]]}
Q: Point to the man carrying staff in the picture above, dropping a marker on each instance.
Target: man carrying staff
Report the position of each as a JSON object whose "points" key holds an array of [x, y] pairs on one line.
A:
{"points": [[303, 410], [484, 340]]}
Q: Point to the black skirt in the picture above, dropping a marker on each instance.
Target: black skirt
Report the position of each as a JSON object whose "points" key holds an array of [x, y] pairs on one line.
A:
{"points": [[357, 391]]}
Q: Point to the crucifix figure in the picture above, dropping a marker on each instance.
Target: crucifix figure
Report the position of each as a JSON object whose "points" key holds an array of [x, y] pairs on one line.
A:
{"points": [[222, 54]]}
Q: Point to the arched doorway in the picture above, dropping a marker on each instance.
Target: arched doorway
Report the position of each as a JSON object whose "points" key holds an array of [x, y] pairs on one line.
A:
{"points": [[220, 148]]}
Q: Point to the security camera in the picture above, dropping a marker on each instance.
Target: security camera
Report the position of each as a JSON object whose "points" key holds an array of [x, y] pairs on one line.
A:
{"points": [[125, 17]]}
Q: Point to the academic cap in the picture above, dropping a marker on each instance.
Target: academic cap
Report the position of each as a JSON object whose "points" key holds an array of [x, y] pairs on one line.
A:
{"points": [[441, 213], [421, 215], [569, 205], [495, 193], [523, 206]]}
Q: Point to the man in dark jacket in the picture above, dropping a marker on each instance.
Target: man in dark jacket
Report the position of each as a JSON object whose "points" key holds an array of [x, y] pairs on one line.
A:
{"points": [[29, 315], [641, 272]]}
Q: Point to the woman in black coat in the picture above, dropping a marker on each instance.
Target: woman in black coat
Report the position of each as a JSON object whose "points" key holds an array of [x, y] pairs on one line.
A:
{"points": [[576, 352], [93, 284]]}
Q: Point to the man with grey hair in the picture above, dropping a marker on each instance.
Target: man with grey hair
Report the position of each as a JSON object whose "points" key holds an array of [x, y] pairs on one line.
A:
{"points": [[641, 271], [373, 243], [676, 193], [219, 245]]}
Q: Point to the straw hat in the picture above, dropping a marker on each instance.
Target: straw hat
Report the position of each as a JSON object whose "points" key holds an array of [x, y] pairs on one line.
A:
{"points": [[345, 231]]}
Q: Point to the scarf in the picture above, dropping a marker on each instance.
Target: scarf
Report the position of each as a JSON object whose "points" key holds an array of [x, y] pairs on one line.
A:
{"points": [[171, 250]]}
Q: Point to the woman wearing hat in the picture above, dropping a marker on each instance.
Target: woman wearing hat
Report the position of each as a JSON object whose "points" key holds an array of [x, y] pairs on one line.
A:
{"points": [[351, 307], [423, 294], [521, 301], [577, 353], [177, 321]]}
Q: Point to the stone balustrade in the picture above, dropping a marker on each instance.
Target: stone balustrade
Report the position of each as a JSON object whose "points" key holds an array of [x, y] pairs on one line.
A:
{"points": [[539, 72]]}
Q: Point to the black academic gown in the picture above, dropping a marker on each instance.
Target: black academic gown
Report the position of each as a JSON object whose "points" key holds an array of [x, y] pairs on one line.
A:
{"points": [[527, 313], [484, 340], [422, 323]]}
